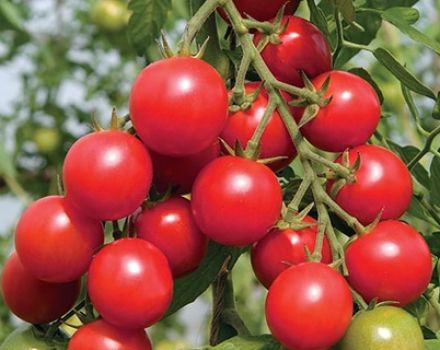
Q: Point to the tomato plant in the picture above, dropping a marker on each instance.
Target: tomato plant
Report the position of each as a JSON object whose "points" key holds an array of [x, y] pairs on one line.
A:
{"points": [[391, 262]]}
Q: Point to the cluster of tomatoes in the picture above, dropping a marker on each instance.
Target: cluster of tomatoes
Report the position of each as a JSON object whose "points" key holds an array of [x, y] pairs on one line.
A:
{"points": [[179, 109]]}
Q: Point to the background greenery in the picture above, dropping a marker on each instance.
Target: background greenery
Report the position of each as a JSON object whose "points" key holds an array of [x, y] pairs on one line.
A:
{"points": [[58, 67]]}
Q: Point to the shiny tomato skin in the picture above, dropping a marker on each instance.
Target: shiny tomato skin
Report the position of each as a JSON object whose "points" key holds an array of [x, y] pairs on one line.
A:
{"points": [[56, 244], [32, 300], [170, 226], [275, 142], [303, 48], [349, 119], [179, 105], [103, 336], [280, 249], [107, 174], [391, 262], [130, 283], [383, 328], [180, 173], [309, 307], [382, 182], [235, 201]]}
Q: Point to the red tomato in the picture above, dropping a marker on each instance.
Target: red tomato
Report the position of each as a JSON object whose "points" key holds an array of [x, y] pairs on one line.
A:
{"points": [[55, 243], [235, 201], [107, 174], [181, 172], [170, 226], [280, 249], [302, 48], [391, 262], [130, 283], [103, 336], [33, 300], [351, 116], [309, 307], [179, 105], [382, 182], [275, 141], [263, 10]]}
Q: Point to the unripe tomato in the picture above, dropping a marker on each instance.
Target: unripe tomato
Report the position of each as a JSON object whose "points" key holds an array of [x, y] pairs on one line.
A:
{"points": [[351, 116], [179, 105], [107, 174], [32, 300], [180, 172], [110, 15], [391, 262], [383, 328], [130, 283], [46, 139], [55, 243], [235, 201], [309, 307], [275, 142], [25, 338], [103, 336], [383, 182], [280, 249], [170, 226], [303, 48]]}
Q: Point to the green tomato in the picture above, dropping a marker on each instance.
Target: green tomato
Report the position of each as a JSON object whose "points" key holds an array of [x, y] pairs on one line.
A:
{"points": [[383, 328], [110, 15], [46, 139], [23, 338]]}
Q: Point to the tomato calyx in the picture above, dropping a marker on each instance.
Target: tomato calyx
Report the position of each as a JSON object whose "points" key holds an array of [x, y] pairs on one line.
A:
{"points": [[167, 52], [116, 122], [271, 30], [295, 221], [339, 180]]}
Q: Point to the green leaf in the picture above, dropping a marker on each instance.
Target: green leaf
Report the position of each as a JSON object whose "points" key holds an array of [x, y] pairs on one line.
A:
{"points": [[188, 288], [435, 181], [417, 210], [398, 19], [436, 109], [10, 15], [433, 241], [432, 344], [146, 21], [346, 8], [263, 342], [401, 73], [317, 17], [361, 72], [407, 14], [381, 4]]}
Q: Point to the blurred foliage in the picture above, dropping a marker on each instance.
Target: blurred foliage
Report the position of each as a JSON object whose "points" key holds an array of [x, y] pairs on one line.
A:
{"points": [[62, 64]]}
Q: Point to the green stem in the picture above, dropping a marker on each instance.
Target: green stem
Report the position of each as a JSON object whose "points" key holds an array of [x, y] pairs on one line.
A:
{"points": [[426, 148], [265, 27], [239, 90], [358, 299], [340, 34], [17, 189], [352, 45], [335, 167], [293, 207]]}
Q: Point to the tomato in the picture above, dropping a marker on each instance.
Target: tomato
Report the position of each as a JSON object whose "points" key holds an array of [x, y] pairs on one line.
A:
{"points": [[351, 116], [110, 15], [309, 307], [130, 283], [382, 183], [170, 226], [103, 336], [303, 48], [26, 338], [383, 328], [280, 249], [107, 174], [180, 172], [275, 142], [390, 262], [179, 105], [235, 201], [263, 10], [33, 300], [46, 139], [55, 243]]}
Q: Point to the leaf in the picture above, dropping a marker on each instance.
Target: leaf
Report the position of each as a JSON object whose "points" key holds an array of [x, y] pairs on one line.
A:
{"points": [[401, 73], [11, 15], [361, 72], [433, 241], [407, 14], [435, 181], [432, 344], [397, 18], [317, 17], [146, 21], [436, 109], [346, 8], [188, 288], [382, 5], [417, 210], [262, 342]]}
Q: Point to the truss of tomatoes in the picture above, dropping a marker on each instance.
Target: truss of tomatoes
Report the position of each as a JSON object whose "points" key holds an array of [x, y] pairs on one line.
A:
{"points": [[179, 109]]}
